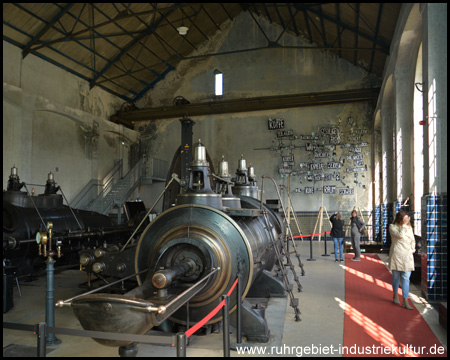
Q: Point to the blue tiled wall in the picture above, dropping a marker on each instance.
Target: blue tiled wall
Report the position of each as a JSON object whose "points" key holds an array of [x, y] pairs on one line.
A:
{"points": [[387, 218], [434, 247], [384, 223], [417, 217], [377, 222]]}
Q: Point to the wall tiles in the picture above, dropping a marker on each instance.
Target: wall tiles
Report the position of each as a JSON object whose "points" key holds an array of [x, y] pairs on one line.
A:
{"points": [[434, 247]]}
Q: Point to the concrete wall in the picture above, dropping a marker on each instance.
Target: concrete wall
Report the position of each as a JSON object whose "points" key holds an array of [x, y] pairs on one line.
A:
{"points": [[53, 122], [263, 73]]}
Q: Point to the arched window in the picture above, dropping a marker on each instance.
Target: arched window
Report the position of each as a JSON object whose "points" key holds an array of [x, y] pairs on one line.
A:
{"points": [[418, 143]]}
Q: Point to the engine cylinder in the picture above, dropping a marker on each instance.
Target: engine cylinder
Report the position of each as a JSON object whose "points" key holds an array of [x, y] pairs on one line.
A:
{"points": [[208, 238]]}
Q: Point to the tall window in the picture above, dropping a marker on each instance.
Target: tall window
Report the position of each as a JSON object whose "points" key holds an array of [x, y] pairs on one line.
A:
{"points": [[218, 83], [418, 143]]}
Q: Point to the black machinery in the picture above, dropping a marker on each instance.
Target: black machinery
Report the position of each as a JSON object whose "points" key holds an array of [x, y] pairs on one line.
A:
{"points": [[192, 252], [24, 214]]}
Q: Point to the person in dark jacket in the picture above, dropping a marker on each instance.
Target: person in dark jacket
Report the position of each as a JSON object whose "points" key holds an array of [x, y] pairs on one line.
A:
{"points": [[337, 234], [356, 227]]}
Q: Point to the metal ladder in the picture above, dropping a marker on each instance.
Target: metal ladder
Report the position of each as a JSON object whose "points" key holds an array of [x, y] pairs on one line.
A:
{"points": [[281, 251], [277, 244], [291, 208]]}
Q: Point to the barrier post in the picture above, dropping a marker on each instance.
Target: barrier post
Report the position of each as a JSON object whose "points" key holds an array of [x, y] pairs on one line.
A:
{"points": [[181, 344], [239, 344], [226, 327], [187, 321], [239, 311], [325, 241], [41, 332], [310, 250]]}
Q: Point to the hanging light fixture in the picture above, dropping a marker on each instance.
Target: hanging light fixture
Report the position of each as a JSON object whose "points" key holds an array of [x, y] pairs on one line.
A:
{"points": [[182, 30]]}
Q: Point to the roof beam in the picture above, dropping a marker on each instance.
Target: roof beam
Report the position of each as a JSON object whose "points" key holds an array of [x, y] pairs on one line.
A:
{"points": [[305, 14], [356, 33], [72, 36], [251, 104], [226, 12], [27, 48], [159, 77], [377, 29], [289, 22], [293, 19], [259, 26], [324, 35], [126, 48], [338, 30], [209, 16], [383, 45]]}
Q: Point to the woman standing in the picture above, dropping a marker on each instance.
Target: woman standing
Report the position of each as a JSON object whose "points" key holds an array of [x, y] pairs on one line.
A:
{"points": [[401, 260], [337, 234], [356, 227]]}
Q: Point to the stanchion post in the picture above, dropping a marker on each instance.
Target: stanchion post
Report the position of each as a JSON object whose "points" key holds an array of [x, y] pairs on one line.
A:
{"points": [[238, 311], [226, 326], [187, 320], [310, 250], [181, 344], [41, 332], [325, 241]]}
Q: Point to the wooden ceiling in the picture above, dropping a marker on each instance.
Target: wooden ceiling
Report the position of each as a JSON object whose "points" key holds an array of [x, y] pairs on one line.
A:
{"points": [[126, 48]]}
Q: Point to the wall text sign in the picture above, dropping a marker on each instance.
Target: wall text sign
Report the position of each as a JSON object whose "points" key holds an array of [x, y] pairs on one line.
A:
{"points": [[275, 124]]}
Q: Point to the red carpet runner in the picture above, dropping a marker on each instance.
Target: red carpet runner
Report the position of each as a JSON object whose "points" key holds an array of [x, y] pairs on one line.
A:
{"points": [[373, 324]]}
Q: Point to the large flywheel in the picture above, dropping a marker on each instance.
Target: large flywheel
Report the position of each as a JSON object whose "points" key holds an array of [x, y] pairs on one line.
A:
{"points": [[205, 238]]}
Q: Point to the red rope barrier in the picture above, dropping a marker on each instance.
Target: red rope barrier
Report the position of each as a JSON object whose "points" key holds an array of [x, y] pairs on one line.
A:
{"points": [[302, 236], [208, 317], [232, 287]]}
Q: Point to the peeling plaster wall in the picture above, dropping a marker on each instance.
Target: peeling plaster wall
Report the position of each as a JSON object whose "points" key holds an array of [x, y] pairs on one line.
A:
{"points": [[53, 122], [263, 73], [256, 73]]}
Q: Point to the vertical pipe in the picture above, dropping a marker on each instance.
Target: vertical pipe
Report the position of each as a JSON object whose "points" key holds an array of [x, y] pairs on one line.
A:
{"points": [[226, 327], [187, 319], [50, 300], [186, 149], [239, 311]]}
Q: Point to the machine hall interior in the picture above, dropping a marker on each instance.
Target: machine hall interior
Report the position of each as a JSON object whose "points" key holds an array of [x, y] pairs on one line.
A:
{"points": [[155, 153]]}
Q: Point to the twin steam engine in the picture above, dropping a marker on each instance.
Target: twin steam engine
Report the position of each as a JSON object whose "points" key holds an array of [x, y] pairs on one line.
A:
{"points": [[193, 253]]}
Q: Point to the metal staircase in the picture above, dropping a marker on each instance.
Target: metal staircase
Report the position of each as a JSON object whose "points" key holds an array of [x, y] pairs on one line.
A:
{"points": [[117, 191], [92, 189]]}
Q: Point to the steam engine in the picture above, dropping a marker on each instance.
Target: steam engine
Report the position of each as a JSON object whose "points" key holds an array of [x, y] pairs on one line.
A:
{"points": [[192, 252], [25, 214]]}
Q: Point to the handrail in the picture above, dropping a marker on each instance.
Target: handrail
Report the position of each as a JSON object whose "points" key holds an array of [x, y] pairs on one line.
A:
{"points": [[109, 176], [122, 188], [79, 200], [129, 182], [174, 176]]}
